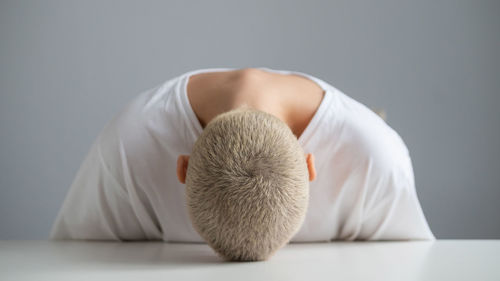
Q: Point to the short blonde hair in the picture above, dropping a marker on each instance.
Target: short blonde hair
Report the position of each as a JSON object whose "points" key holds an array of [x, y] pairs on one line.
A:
{"points": [[247, 185]]}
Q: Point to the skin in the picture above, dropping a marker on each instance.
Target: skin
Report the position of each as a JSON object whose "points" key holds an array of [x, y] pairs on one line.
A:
{"points": [[292, 98]]}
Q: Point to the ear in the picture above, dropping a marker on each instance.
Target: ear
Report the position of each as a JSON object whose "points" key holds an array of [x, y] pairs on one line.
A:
{"points": [[182, 165], [310, 166]]}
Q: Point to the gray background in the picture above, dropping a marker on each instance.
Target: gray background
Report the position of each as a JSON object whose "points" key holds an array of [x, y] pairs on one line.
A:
{"points": [[67, 67]]}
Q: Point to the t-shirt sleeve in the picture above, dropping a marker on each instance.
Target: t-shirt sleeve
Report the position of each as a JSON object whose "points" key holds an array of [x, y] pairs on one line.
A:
{"points": [[96, 207], [392, 210]]}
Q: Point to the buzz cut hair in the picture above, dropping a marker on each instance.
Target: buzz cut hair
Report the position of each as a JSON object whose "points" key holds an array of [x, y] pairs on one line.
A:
{"points": [[247, 185]]}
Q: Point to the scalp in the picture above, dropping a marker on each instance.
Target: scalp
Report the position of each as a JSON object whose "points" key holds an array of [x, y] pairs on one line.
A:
{"points": [[247, 184]]}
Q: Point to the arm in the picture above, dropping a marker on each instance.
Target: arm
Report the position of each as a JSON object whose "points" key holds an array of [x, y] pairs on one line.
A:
{"points": [[393, 211], [97, 206]]}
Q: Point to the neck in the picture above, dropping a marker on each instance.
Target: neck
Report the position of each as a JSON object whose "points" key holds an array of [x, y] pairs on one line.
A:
{"points": [[293, 99]]}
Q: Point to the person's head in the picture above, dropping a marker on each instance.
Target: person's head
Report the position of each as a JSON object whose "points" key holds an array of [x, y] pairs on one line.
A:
{"points": [[247, 184]]}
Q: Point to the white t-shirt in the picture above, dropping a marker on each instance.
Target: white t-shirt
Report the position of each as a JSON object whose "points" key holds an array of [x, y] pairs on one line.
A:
{"points": [[127, 187]]}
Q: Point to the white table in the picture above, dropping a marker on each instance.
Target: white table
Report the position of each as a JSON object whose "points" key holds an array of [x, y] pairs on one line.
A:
{"points": [[417, 260]]}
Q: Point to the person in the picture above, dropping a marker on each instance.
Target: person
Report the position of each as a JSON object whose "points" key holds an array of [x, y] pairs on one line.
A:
{"points": [[245, 160]]}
